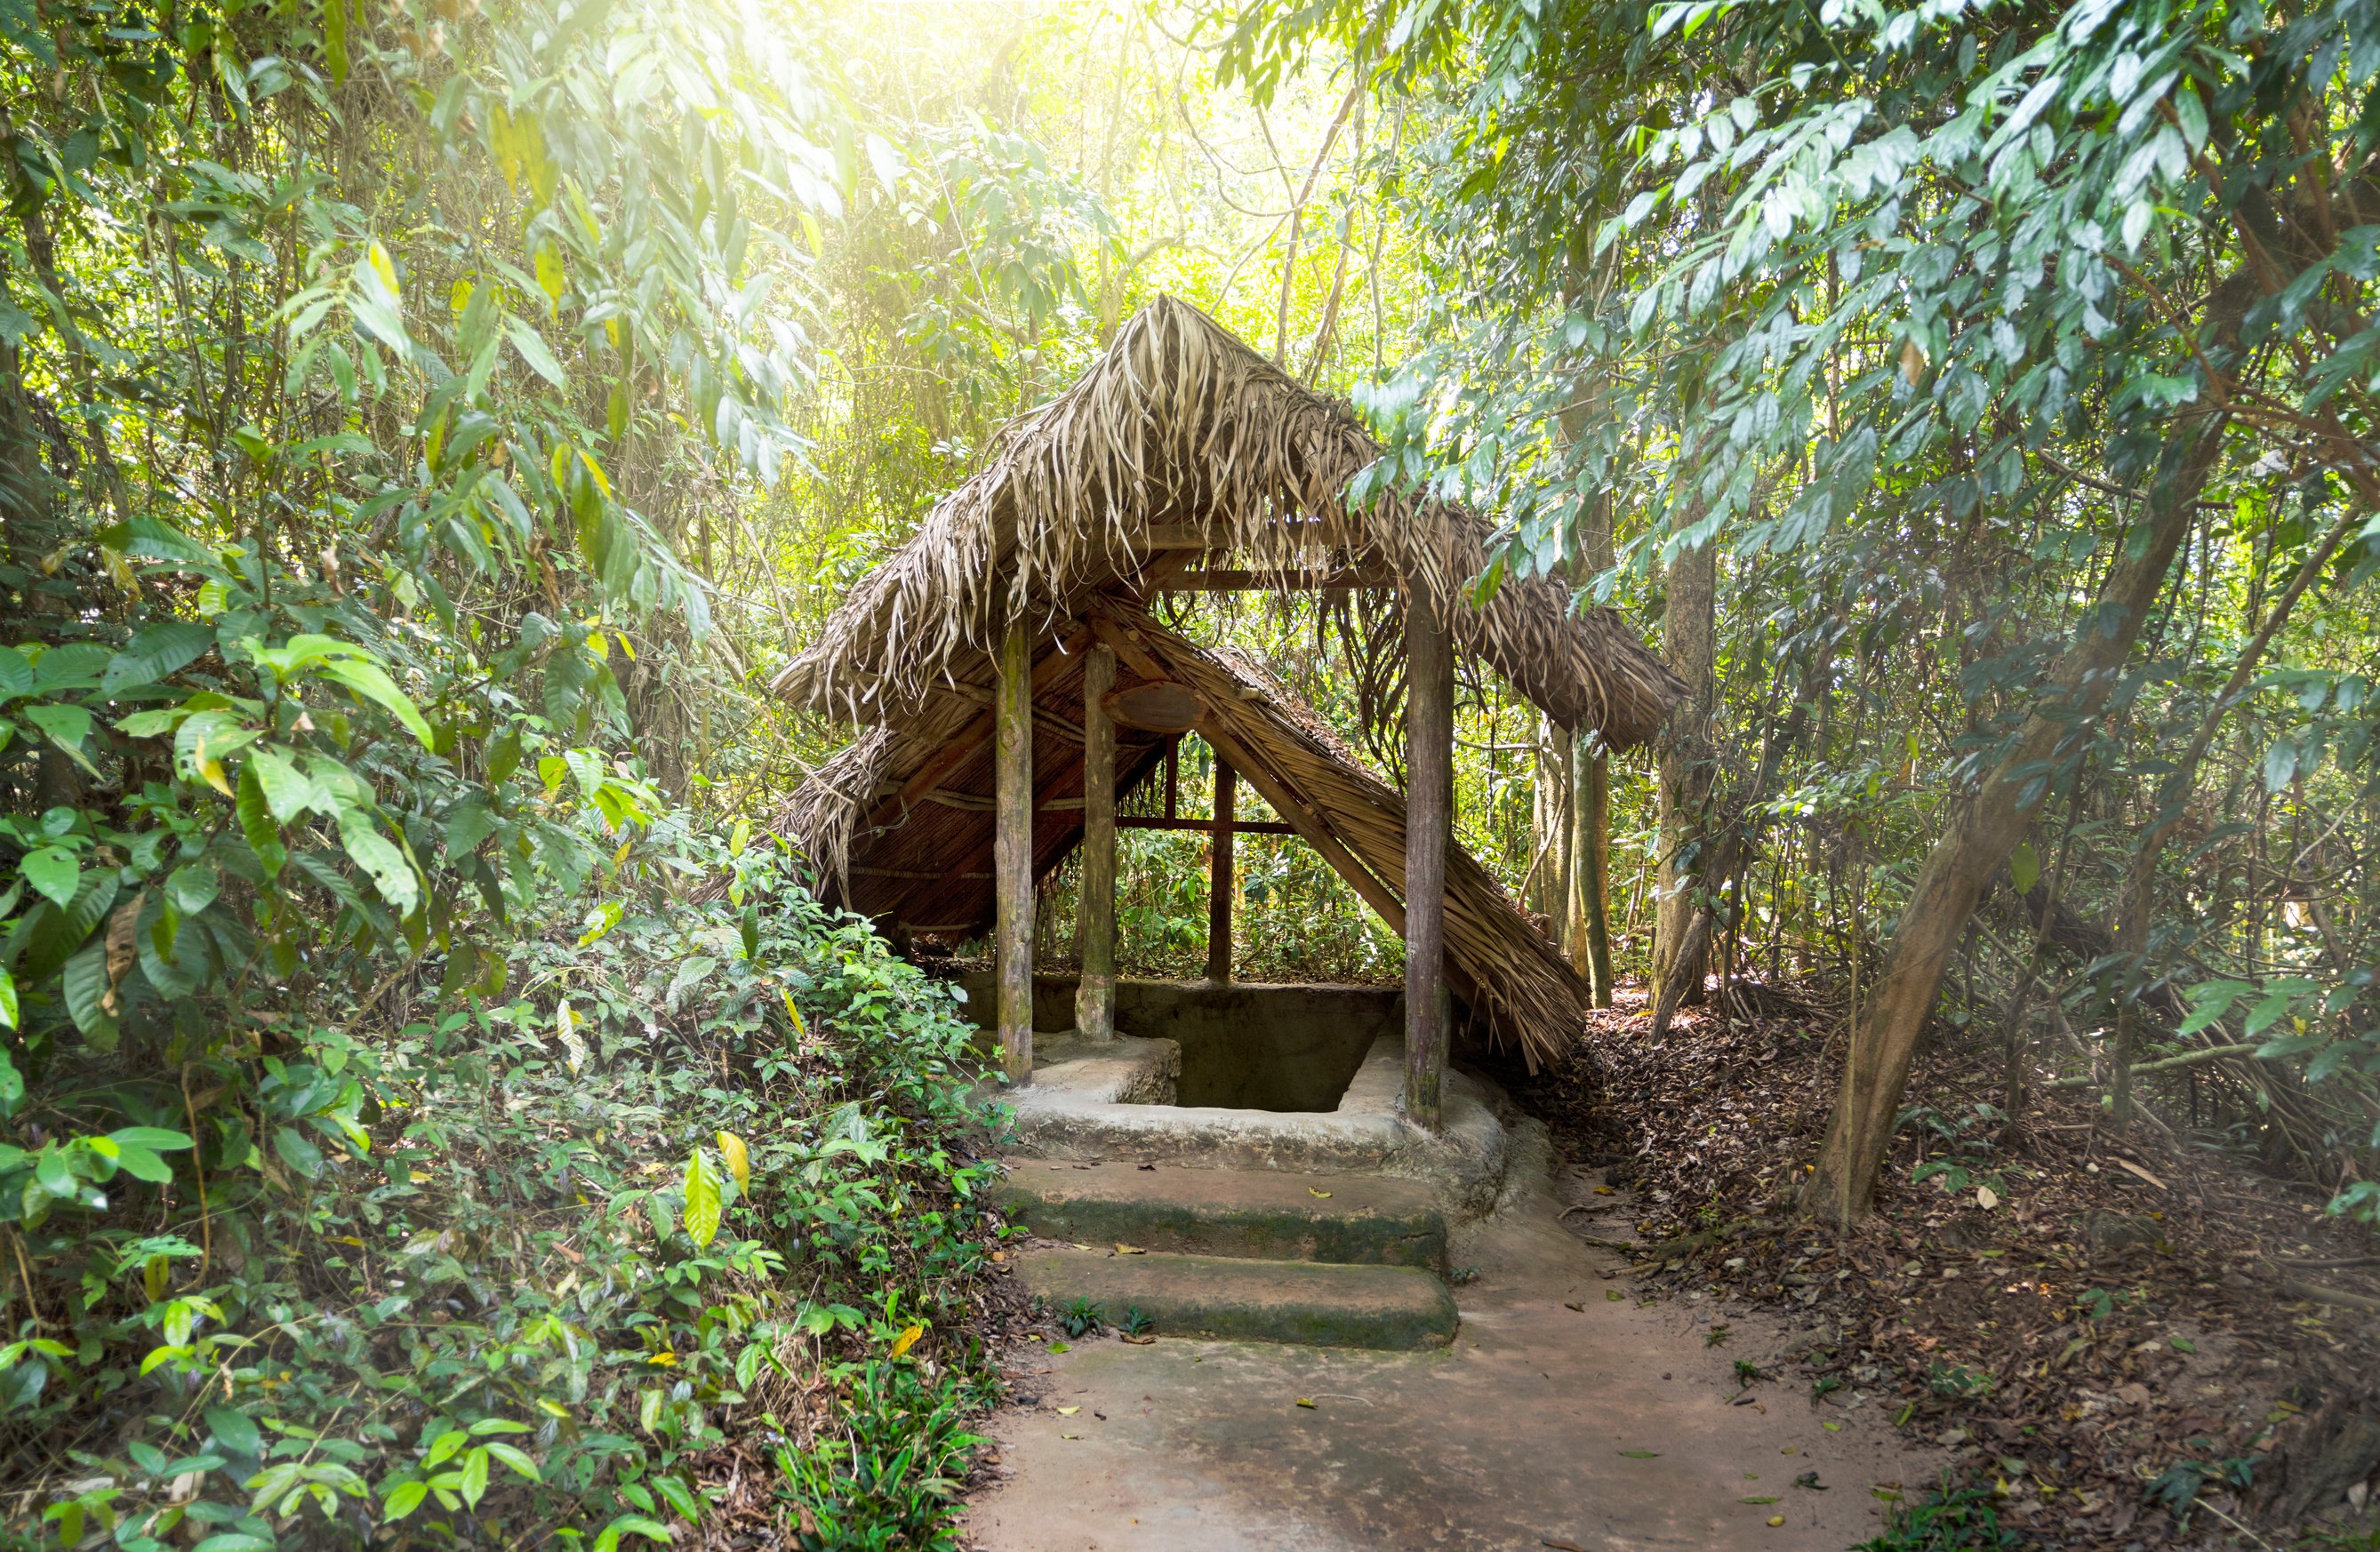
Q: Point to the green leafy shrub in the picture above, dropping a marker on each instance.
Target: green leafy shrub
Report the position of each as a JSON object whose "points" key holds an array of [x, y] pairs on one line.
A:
{"points": [[509, 1275]]}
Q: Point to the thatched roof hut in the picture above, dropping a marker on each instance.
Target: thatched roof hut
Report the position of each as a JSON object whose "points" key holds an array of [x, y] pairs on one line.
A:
{"points": [[1179, 444], [1180, 438]]}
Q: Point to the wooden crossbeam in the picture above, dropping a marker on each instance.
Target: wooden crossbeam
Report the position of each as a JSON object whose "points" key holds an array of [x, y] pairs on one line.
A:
{"points": [[1226, 579], [1204, 827]]}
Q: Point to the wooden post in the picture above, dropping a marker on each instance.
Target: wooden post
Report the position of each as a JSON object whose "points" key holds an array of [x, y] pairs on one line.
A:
{"points": [[1429, 802], [1011, 851], [1222, 877], [1095, 994]]}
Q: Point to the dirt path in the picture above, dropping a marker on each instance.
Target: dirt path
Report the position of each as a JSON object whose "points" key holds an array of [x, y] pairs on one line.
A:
{"points": [[1561, 1417]]}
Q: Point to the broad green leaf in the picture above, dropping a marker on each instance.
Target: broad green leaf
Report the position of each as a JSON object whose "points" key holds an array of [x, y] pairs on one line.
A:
{"points": [[75, 666], [702, 1199], [204, 739], [372, 682], [2024, 867], [159, 1139], [531, 345], [405, 1496], [681, 1498], [287, 792], [158, 652], [54, 871], [16, 675], [88, 994], [145, 538], [375, 302], [391, 874], [334, 55], [2280, 763], [257, 824], [8, 1014], [235, 1431], [68, 727], [194, 885], [142, 1164], [474, 1485]]}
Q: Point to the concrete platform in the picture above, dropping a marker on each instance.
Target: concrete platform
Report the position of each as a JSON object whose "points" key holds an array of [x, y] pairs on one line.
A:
{"points": [[1269, 1215], [1082, 1104], [1318, 1304]]}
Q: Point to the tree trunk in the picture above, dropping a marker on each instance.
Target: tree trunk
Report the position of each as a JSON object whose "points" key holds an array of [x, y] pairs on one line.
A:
{"points": [[1986, 827], [1689, 646]]}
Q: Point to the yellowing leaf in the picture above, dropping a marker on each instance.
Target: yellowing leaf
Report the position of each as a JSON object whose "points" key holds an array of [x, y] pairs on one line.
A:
{"points": [[1305, 1402], [1129, 1250], [1068, 1412], [666, 1360], [213, 772], [550, 277], [906, 1340], [801, 1030], [1311, 1192], [419, 1177], [739, 1164], [1070, 1436], [1777, 1519]]}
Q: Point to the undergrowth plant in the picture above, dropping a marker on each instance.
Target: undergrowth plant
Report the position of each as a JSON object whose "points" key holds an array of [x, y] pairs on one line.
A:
{"points": [[512, 1273]]}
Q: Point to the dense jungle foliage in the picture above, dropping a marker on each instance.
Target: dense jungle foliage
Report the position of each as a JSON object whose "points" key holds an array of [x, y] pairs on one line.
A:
{"points": [[432, 1106]]}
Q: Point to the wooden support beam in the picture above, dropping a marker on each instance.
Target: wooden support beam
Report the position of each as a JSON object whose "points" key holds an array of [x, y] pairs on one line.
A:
{"points": [[1221, 877], [1204, 827], [1095, 993], [1429, 800], [937, 873], [1222, 579], [1012, 849]]}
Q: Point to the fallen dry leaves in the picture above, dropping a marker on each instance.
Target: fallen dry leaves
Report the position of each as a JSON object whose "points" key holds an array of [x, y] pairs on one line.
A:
{"points": [[2101, 1313]]}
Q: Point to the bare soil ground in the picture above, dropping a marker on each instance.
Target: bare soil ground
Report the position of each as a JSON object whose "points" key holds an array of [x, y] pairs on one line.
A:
{"points": [[2126, 1342]]}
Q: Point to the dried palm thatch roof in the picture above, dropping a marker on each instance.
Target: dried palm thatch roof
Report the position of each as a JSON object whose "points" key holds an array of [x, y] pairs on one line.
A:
{"points": [[1179, 426], [902, 823]]}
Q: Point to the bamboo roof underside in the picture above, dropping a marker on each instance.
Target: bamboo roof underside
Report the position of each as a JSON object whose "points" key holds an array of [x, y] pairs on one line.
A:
{"points": [[1179, 426]]}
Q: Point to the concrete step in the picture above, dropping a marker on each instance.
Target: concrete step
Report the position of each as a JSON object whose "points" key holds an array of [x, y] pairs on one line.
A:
{"points": [[1267, 1214], [1319, 1303]]}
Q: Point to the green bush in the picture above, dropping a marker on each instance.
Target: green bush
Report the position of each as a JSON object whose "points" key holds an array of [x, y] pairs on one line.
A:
{"points": [[510, 1274]]}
